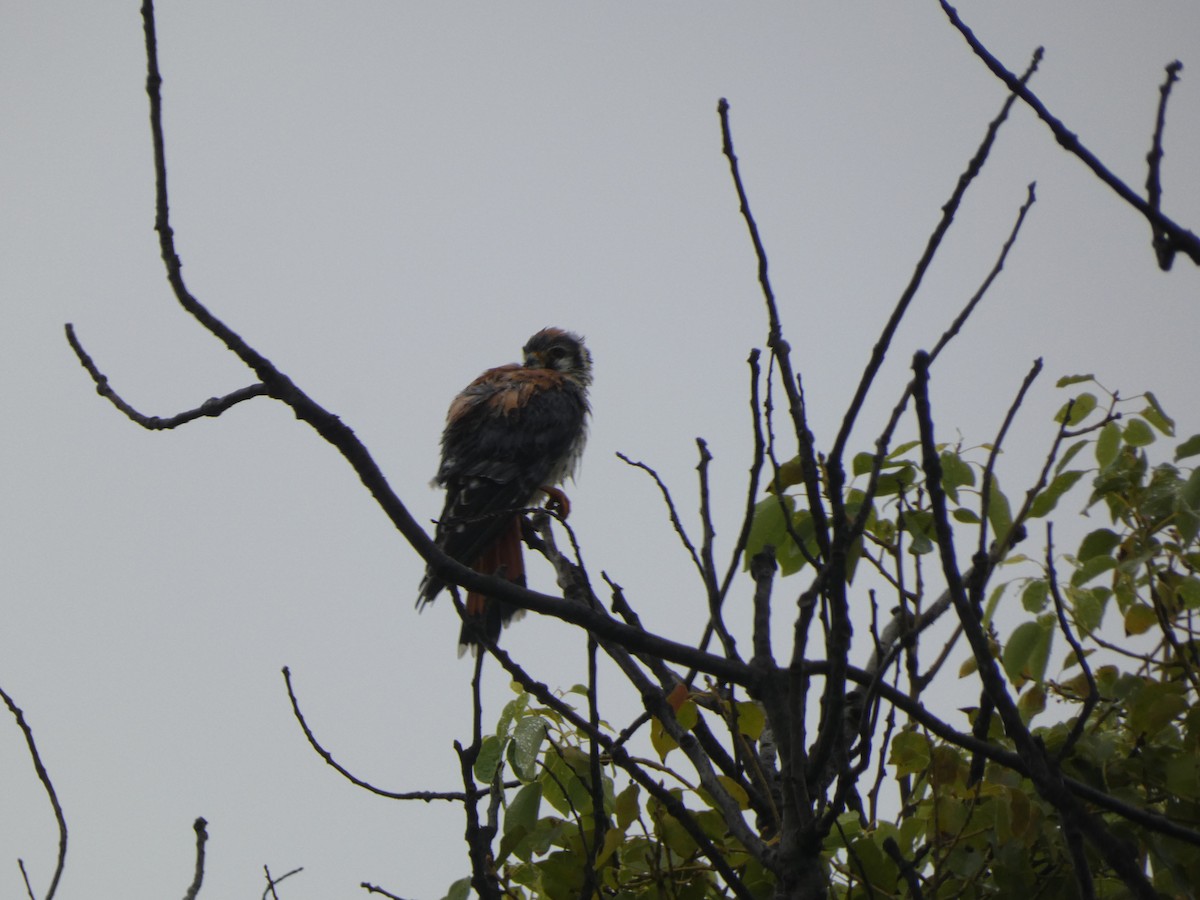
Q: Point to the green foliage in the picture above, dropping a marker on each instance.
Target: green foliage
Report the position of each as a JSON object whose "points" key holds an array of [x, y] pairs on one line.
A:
{"points": [[1132, 583], [1141, 742], [548, 824]]}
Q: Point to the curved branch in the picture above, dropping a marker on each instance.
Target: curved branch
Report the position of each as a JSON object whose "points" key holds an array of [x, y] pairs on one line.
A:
{"points": [[1172, 237], [201, 828], [427, 796], [212, 407], [44, 777]]}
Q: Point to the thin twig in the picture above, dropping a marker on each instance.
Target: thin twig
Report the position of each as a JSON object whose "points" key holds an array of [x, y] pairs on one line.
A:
{"points": [[1154, 165], [427, 796], [201, 828], [272, 881], [1093, 694], [44, 777], [675, 520], [708, 562], [212, 407], [1174, 237], [781, 350], [375, 889], [931, 247], [479, 836], [756, 465]]}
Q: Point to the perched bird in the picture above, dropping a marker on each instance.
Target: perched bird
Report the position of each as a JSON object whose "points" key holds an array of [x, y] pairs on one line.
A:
{"points": [[514, 432]]}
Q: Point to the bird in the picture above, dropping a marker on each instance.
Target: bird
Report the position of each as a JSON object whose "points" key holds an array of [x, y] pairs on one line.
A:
{"points": [[515, 432]]}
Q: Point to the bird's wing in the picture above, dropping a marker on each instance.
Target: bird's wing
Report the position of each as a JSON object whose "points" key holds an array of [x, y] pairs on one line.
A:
{"points": [[511, 431]]}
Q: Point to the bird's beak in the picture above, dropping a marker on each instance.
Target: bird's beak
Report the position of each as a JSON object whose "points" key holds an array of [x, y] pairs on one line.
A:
{"points": [[534, 361]]}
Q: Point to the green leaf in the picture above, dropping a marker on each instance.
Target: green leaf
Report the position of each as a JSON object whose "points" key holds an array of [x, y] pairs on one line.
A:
{"points": [[1139, 619], [1108, 444], [919, 525], [1068, 380], [1138, 433], [769, 526], [460, 890], [735, 790], [1076, 410], [999, 512], [1070, 453], [1189, 493], [862, 463], [1190, 447], [1100, 542], [902, 449], [1188, 592], [895, 481], [910, 753], [751, 720], [1091, 568], [1027, 651], [1048, 498], [1157, 703], [662, 742], [1032, 702], [523, 809], [526, 742], [687, 715], [626, 806], [1157, 416], [1088, 605], [955, 474], [962, 514], [488, 760], [790, 473], [1035, 595]]}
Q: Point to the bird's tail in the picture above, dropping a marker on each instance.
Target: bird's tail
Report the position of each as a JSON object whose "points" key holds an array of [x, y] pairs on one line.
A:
{"points": [[487, 615]]}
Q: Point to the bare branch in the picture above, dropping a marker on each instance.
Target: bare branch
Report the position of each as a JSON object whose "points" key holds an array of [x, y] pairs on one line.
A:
{"points": [[781, 350], [44, 777], [1171, 236], [1093, 694], [272, 881], [708, 562], [1161, 241], [201, 828], [427, 796], [666, 494], [931, 247], [212, 407], [756, 465], [478, 835], [374, 889]]}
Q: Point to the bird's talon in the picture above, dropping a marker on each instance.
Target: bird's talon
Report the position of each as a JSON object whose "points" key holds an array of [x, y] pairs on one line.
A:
{"points": [[557, 502]]}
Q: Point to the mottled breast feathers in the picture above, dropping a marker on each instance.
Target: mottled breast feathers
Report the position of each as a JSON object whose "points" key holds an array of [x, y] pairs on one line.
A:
{"points": [[514, 431]]}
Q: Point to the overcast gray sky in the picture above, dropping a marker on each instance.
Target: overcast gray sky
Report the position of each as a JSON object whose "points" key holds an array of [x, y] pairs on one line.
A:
{"points": [[385, 198]]}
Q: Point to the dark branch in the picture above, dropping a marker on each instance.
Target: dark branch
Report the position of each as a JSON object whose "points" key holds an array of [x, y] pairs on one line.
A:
{"points": [[212, 407], [1161, 241], [1173, 236], [931, 247], [374, 889], [671, 511], [44, 777], [781, 350], [201, 828], [272, 881], [426, 796]]}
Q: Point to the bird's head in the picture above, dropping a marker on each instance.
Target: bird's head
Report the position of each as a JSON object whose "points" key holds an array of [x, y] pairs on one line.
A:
{"points": [[562, 351]]}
